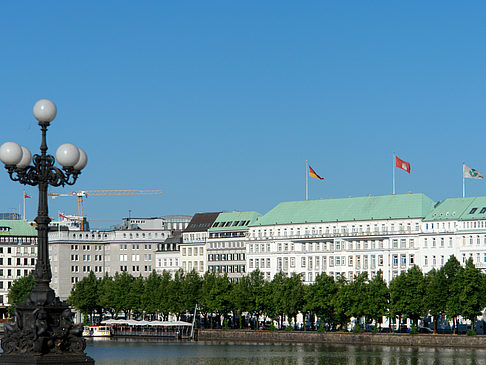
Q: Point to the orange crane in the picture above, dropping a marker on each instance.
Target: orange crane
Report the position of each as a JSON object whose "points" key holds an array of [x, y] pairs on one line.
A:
{"points": [[80, 194]]}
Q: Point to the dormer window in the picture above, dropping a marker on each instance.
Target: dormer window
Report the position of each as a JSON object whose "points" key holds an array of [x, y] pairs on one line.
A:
{"points": [[473, 210]]}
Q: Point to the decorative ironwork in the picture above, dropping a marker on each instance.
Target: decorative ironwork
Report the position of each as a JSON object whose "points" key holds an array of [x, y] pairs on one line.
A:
{"points": [[44, 330]]}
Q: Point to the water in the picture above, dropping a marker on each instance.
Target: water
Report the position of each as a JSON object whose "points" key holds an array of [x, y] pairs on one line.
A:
{"points": [[143, 352]]}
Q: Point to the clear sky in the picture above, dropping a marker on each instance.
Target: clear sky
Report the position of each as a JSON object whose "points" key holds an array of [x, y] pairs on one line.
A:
{"points": [[219, 103]]}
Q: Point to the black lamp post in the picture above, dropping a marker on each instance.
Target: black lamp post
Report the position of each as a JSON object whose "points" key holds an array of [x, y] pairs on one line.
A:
{"points": [[44, 332]]}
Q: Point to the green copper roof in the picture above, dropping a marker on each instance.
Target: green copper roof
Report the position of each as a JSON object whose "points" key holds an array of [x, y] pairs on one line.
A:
{"points": [[16, 228], [349, 209], [459, 209], [232, 221]]}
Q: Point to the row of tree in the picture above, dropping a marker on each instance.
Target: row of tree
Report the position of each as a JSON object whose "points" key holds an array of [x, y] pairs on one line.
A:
{"points": [[453, 291]]}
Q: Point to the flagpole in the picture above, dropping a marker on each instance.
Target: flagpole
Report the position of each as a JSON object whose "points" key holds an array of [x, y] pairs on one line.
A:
{"points": [[463, 182], [306, 180], [24, 205], [393, 164]]}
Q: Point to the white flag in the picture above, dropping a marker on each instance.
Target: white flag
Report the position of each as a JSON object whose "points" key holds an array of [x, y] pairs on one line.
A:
{"points": [[470, 173]]}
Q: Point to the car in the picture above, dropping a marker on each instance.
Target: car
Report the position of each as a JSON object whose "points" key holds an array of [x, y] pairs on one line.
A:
{"points": [[425, 330]]}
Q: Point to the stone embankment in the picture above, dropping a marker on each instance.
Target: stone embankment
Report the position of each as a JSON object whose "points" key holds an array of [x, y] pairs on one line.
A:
{"points": [[345, 338]]}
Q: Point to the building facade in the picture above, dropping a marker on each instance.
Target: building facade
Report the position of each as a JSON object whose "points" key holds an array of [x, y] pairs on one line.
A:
{"points": [[227, 243], [130, 248], [18, 252], [193, 245]]}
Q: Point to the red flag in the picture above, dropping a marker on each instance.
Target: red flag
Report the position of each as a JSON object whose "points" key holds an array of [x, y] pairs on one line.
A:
{"points": [[27, 196], [62, 215], [404, 165]]}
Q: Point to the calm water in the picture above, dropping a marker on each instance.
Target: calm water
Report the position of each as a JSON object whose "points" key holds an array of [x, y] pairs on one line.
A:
{"points": [[210, 353]]}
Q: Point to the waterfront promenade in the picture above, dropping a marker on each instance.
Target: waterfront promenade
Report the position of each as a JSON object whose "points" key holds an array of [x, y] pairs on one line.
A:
{"points": [[346, 338]]}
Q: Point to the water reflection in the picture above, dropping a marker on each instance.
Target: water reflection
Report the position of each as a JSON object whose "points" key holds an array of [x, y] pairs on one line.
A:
{"points": [[118, 352]]}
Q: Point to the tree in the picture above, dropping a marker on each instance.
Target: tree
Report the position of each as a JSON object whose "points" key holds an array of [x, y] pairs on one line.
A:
{"points": [[293, 292], [274, 298], [174, 292], [407, 295], [472, 293], [108, 299], [319, 297], [435, 300], [341, 303], [135, 292], [191, 287], [151, 293], [121, 290], [85, 296], [378, 299], [358, 297], [20, 290], [452, 271]]}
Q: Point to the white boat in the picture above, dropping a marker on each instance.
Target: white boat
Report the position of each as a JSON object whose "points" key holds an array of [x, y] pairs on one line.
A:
{"points": [[96, 331]]}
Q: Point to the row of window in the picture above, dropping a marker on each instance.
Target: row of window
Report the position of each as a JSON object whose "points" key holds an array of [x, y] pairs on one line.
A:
{"points": [[20, 250], [31, 240], [136, 268], [25, 261], [227, 268], [75, 257], [146, 257], [193, 265], [342, 229], [230, 244], [168, 262], [10, 272], [192, 251], [87, 247], [136, 246], [98, 236], [226, 257]]}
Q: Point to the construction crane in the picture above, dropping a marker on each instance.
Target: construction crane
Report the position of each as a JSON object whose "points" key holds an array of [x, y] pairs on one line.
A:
{"points": [[80, 194]]}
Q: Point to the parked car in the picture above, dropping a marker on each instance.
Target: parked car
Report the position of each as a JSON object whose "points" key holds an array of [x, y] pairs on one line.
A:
{"points": [[425, 330]]}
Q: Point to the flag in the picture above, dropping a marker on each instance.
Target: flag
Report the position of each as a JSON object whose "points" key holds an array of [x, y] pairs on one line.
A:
{"points": [[27, 196], [470, 173], [312, 173], [404, 165], [62, 215]]}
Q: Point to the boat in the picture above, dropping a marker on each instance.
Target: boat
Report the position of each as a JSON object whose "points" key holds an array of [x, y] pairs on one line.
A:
{"points": [[174, 329], [97, 331]]}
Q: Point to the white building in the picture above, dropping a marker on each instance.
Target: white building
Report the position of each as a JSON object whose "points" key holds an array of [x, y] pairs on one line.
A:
{"points": [[18, 252], [349, 236]]}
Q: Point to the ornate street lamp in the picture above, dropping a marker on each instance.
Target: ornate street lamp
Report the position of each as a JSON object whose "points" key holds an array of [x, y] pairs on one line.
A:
{"points": [[43, 332]]}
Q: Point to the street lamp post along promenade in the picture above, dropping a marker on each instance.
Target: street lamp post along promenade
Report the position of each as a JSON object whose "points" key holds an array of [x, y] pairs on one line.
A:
{"points": [[44, 332]]}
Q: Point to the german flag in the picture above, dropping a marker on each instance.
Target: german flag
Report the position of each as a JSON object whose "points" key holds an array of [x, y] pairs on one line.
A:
{"points": [[312, 173]]}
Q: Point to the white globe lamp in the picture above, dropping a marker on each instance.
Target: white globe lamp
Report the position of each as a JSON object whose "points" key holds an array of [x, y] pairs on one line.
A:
{"points": [[45, 111], [10, 153], [67, 155]]}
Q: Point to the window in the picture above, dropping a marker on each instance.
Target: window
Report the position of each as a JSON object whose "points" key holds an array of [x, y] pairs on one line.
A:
{"points": [[395, 260], [483, 210], [473, 210]]}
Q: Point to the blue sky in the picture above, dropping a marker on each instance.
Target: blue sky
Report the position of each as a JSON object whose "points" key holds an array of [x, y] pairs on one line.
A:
{"points": [[219, 103]]}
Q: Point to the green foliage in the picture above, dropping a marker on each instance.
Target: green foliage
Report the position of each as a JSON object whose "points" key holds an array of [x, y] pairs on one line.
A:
{"points": [[453, 290], [407, 295], [471, 333], [19, 291], [414, 330], [85, 295]]}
